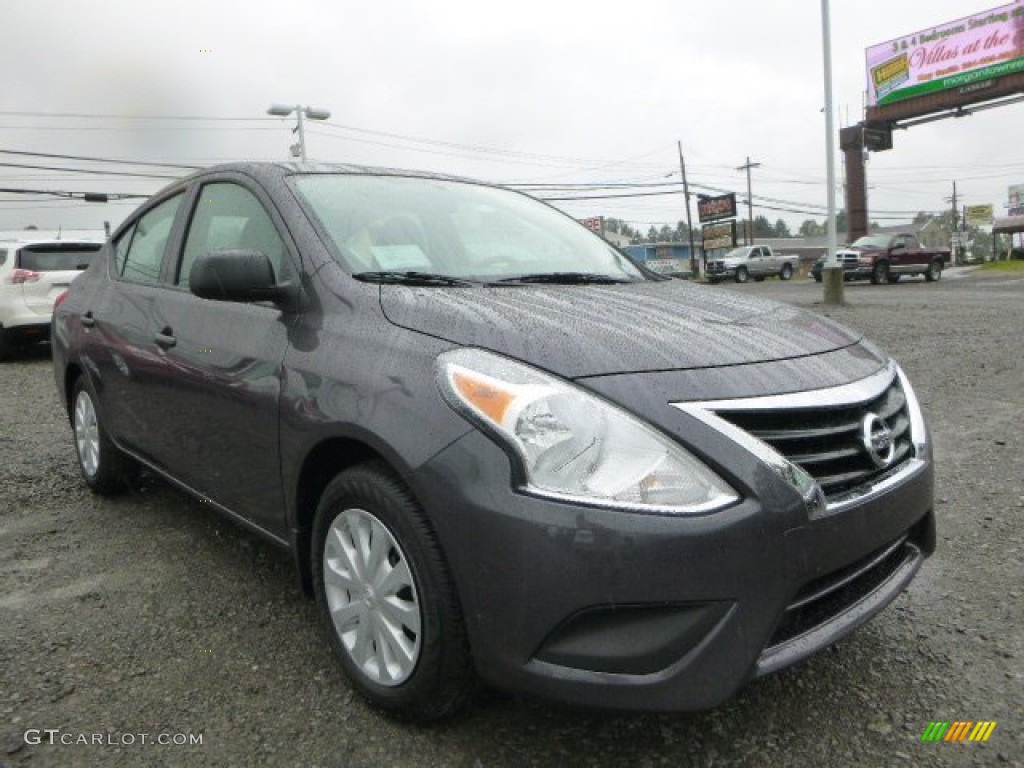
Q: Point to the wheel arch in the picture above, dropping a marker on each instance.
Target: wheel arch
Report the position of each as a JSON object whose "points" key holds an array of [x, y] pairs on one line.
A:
{"points": [[324, 461], [71, 375]]}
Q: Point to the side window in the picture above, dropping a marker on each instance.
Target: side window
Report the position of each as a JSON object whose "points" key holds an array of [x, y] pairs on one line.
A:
{"points": [[3, 258], [121, 249], [142, 256], [227, 217]]}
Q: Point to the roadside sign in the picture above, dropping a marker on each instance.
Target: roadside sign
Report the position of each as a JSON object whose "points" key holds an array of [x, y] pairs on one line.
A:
{"points": [[978, 215]]}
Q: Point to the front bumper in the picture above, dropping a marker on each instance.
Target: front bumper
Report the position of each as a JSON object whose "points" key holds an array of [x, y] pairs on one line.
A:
{"points": [[653, 612], [720, 272]]}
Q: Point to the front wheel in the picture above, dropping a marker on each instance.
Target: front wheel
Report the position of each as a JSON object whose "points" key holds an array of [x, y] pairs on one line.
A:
{"points": [[386, 598], [787, 272], [742, 275], [106, 470], [880, 274], [934, 271]]}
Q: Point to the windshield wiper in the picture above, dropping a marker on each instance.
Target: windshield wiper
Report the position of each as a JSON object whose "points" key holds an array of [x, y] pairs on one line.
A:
{"points": [[565, 278], [411, 278]]}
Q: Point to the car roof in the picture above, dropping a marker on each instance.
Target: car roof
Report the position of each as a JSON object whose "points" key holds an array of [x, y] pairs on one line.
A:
{"points": [[279, 169]]}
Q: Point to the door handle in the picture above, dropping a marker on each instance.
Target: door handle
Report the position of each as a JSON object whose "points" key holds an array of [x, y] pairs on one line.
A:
{"points": [[88, 320], [165, 339]]}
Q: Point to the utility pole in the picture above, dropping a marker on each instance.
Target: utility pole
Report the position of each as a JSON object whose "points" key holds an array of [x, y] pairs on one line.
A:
{"points": [[694, 269], [750, 201], [954, 235]]}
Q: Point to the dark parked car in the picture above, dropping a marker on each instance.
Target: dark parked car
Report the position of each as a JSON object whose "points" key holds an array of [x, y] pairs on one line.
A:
{"points": [[497, 449]]}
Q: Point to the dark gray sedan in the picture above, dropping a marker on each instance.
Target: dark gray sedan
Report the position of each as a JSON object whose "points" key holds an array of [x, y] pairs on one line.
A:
{"points": [[498, 450]]}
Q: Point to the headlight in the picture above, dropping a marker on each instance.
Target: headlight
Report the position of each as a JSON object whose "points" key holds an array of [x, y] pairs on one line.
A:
{"points": [[574, 446]]}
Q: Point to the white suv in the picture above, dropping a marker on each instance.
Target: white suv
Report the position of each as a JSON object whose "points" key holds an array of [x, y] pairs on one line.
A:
{"points": [[32, 274]]}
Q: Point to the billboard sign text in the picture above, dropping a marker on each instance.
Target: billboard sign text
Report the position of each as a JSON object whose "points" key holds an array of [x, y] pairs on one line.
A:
{"points": [[719, 235], [955, 55], [716, 208]]}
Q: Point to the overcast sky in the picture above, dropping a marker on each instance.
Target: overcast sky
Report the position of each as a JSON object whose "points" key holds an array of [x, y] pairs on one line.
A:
{"points": [[553, 91]]}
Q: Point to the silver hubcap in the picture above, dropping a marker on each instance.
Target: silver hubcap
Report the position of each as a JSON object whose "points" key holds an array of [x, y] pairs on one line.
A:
{"points": [[372, 597], [87, 434]]}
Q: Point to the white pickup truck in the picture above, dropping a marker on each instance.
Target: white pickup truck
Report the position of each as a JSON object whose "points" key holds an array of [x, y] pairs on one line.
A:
{"points": [[751, 261]]}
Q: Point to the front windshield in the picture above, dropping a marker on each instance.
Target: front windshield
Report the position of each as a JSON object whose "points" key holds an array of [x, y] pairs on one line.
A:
{"points": [[871, 241], [736, 253], [455, 229]]}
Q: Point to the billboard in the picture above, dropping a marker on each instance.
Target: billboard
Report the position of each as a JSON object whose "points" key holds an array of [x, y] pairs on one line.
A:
{"points": [[960, 54], [1016, 200], [719, 235], [716, 208]]}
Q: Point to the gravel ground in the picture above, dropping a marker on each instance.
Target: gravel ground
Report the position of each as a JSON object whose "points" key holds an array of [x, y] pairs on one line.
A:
{"points": [[146, 614]]}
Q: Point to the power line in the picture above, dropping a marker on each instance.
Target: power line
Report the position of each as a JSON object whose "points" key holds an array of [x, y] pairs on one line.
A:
{"points": [[25, 153], [71, 195], [88, 170], [90, 116]]}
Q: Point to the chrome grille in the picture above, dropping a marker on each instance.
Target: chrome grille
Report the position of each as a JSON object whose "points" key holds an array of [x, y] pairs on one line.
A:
{"points": [[827, 440]]}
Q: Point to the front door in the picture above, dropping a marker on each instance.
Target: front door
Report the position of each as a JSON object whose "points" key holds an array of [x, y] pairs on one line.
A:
{"points": [[226, 358]]}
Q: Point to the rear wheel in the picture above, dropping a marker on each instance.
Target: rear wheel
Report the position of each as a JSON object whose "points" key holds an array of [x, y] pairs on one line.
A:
{"points": [[386, 598], [934, 271], [880, 274], [787, 272], [742, 275], [106, 470]]}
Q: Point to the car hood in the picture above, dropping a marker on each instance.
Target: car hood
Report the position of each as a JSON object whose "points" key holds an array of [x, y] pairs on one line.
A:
{"points": [[595, 330]]}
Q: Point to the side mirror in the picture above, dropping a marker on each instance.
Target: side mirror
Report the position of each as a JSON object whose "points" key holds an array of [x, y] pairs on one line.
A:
{"points": [[237, 275]]}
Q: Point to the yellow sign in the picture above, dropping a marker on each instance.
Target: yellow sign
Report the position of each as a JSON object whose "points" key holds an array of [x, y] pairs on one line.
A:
{"points": [[977, 215]]}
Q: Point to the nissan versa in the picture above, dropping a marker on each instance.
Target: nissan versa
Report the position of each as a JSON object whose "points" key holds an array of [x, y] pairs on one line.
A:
{"points": [[498, 450]]}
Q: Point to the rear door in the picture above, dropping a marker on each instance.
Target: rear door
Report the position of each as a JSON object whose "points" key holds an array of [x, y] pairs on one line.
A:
{"points": [[50, 268], [117, 340], [219, 425]]}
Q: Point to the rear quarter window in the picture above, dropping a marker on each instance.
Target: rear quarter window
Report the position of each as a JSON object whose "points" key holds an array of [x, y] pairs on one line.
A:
{"points": [[53, 258]]}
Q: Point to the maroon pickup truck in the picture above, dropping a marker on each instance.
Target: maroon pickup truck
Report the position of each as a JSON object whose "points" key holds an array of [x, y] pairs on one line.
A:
{"points": [[887, 258]]}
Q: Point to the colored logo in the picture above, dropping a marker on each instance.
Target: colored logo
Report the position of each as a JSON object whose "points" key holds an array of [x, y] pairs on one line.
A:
{"points": [[959, 730]]}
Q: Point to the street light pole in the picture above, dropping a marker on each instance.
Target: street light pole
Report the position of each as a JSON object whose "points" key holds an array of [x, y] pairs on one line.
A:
{"points": [[832, 275], [282, 110]]}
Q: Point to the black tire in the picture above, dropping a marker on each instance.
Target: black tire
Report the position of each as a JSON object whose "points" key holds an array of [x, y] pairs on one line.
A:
{"points": [[817, 278], [742, 274], [934, 271], [880, 274], [421, 669], [787, 272], [106, 470]]}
